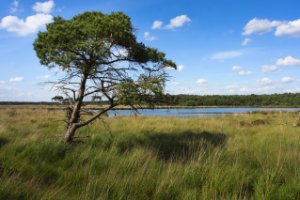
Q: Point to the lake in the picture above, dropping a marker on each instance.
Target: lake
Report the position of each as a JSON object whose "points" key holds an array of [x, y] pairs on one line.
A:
{"points": [[193, 112]]}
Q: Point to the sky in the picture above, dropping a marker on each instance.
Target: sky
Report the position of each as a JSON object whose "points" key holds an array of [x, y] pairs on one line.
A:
{"points": [[220, 46]]}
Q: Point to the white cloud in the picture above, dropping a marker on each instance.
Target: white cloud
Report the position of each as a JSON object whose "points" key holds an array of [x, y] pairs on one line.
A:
{"points": [[288, 61], [178, 21], [2, 82], [287, 79], [14, 7], [282, 28], [260, 26], [149, 37], [265, 81], [180, 68], [202, 81], [226, 55], [43, 7], [246, 41], [30, 25], [16, 79], [291, 28], [157, 24], [269, 68], [241, 71]]}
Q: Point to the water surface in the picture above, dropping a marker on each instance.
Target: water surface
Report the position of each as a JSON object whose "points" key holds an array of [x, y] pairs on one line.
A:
{"points": [[192, 112]]}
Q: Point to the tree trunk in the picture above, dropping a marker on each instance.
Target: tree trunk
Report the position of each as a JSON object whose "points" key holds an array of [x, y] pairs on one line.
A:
{"points": [[75, 116], [70, 133]]}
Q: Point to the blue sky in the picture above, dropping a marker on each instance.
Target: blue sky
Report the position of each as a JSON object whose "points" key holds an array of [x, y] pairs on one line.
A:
{"points": [[221, 46]]}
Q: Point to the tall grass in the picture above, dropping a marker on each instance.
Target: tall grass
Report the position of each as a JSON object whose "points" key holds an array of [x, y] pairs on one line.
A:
{"points": [[251, 156]]}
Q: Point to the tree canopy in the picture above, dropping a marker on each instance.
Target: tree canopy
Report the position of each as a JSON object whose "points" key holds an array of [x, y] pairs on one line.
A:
{"points": [[100, 55]]}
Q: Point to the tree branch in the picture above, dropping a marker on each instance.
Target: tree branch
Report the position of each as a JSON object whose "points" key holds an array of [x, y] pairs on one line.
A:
{"points": [[95, 116]]}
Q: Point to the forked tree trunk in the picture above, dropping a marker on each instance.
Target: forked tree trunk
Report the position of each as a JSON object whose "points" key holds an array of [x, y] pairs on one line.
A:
{"points": [[73, 120]]}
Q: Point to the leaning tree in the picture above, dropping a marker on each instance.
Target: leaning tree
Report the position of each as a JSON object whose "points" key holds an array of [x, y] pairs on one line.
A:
{"points": [[99, 55]]}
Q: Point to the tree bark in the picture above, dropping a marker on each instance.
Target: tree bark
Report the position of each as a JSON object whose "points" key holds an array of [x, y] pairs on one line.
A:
{"points": [[75, 116], [70, 133]]}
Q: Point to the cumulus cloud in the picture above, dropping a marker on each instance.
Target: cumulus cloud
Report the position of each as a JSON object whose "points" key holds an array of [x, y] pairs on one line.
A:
{"points": [[291, 28], [265, 81], [202, 81], [25, 27], [246, 41], [282, 28], [16, 79], [43, 7], [260, 26], [241, 71], [178, 21], [287, 79], [30, 24], [157, 24], [288, 61], [149, 37], [180, 68], [269, 68], [226, 55]]}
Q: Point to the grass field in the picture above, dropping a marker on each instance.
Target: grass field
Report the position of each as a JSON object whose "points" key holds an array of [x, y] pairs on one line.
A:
{"points": [[251, 156]]}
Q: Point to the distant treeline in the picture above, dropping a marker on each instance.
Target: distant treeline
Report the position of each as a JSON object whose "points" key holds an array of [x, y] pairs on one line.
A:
{"points": [[287, 99]]}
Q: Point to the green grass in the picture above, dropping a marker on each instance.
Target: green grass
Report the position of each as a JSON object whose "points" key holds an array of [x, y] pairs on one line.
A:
{"points": [[251, 156]]}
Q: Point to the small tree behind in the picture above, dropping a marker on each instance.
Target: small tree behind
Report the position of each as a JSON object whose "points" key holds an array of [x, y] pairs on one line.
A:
{"points": [[100, 56], [96, 98], [58, 99]]}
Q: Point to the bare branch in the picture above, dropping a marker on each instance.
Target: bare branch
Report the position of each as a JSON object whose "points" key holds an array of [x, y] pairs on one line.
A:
{"points": [[95, 116]]}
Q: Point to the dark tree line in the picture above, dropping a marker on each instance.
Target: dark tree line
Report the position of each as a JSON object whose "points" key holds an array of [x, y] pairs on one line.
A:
{"points": [[287, 99]]}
